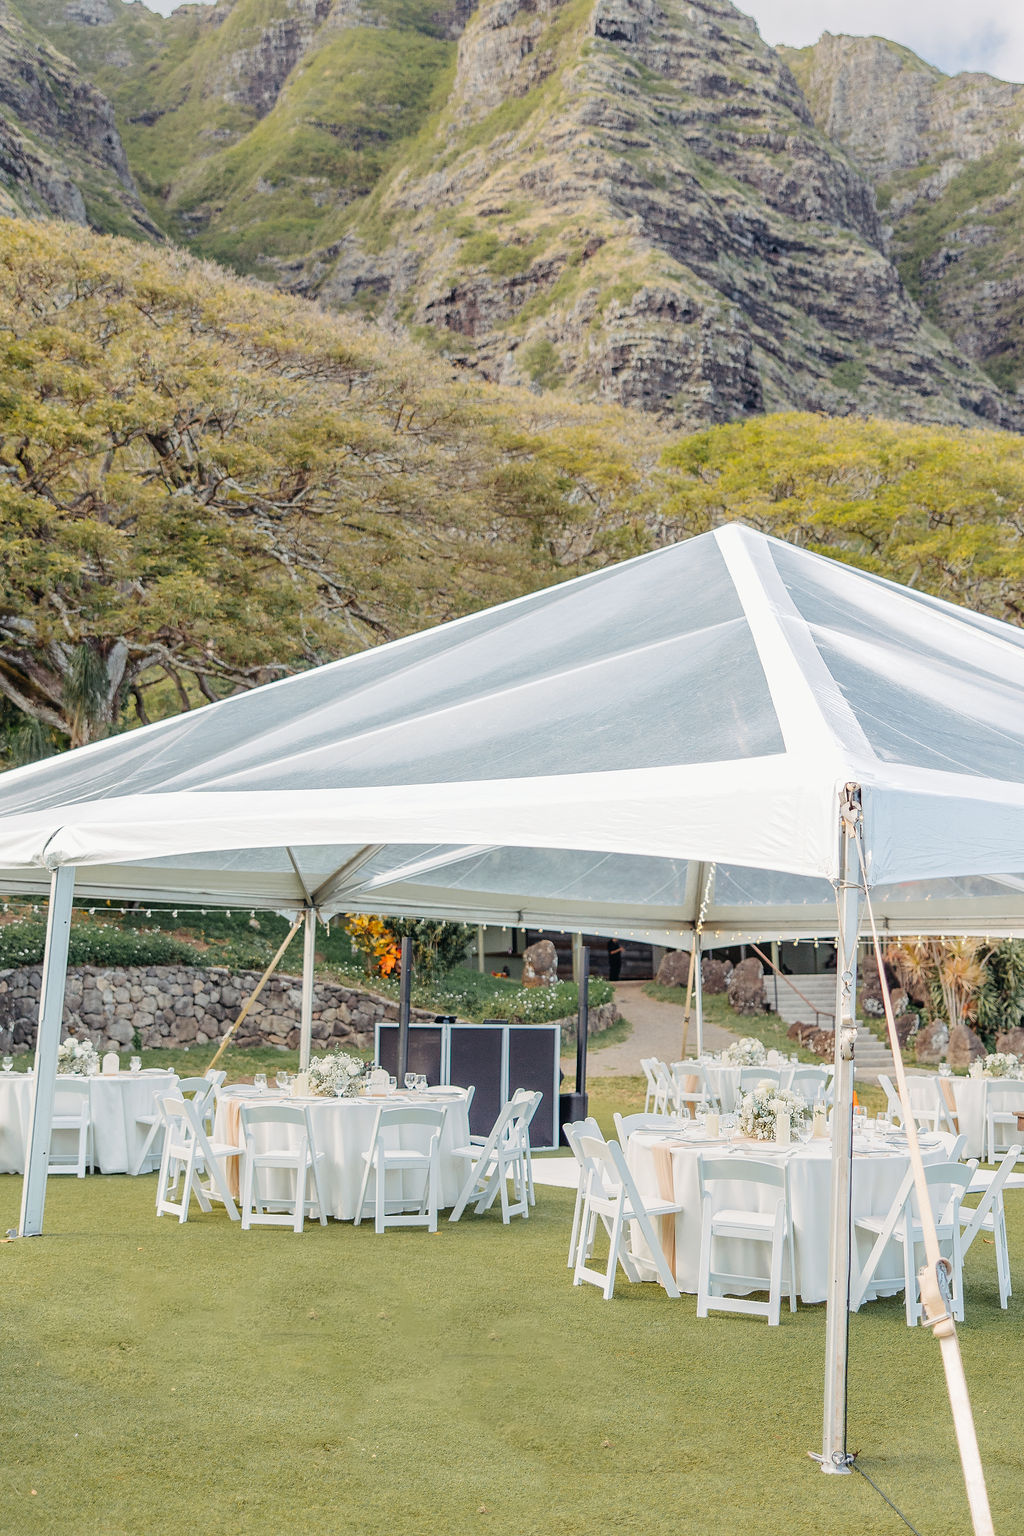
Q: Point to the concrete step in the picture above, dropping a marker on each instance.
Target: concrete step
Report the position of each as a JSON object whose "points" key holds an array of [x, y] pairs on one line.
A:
{"points": [[818, 999]]}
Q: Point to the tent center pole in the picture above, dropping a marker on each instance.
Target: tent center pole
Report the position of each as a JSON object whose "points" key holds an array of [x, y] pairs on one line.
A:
{"points": [[51, 1016], [698, 996], [306, 1014], [404, 1010], [834, 1457]]}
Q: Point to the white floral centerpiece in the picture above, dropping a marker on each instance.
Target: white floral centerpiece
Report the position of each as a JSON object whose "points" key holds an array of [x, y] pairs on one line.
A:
{"points": [[77, 1058], [996, 1064], [335, 1076], [758, 1109], [747, 1052]]}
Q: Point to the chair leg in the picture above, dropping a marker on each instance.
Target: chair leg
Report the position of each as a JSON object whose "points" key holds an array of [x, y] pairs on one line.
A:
{"points": [[379, 1202], [150, 1138], [321, 1208], [299, 1209], [363, 1188], [909, 1273], [248, 1179], [704, 1262], [775, 1282], [792, 1263], [574, 1234], [615, 1237], [434, 1187]]}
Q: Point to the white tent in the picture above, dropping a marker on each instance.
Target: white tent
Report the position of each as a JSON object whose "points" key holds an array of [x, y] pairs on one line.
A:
{"points": [[575, 757], [583, 757]]}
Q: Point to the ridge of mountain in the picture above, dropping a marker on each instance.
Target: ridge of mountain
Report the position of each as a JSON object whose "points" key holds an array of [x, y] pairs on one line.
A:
{"points": [[627, 198], [631, 198], [945, 155], [60, 152]]}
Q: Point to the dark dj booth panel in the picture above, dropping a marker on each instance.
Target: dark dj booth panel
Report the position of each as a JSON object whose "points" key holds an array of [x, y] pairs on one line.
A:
{"points": [[495, 1058]]}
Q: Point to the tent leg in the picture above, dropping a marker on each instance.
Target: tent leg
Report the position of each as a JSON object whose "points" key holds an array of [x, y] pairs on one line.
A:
{"points": [[306, 1015], [51, 1015], [698, 996], [481, 962], [834, 1456]]}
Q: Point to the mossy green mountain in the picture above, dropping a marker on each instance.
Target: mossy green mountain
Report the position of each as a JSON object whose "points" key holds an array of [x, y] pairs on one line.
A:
{"points": [[946, 158], [632, 203]]}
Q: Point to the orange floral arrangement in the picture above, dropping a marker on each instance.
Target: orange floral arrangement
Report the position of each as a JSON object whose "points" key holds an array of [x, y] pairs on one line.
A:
{"points": [[373, 937]]}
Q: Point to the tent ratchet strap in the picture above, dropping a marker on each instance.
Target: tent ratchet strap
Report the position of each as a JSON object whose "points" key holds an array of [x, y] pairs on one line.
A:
{"points": [[823, 1012], [934, 1275], [254, 994]]}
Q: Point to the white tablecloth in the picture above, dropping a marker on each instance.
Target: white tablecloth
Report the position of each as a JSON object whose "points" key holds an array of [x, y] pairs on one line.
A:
{"points": [[725, 1081], [970, 1095], [343, 1130], [115, 1102], [876, 1179]]}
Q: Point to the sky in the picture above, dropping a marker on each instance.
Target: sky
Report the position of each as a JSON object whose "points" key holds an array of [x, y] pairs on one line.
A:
{"points": [[982, 34]]}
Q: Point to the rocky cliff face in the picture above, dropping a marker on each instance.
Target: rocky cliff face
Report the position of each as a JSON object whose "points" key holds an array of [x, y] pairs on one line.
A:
{"points": [[60, 151], [946, 157], [631, 198], [628, 198]]}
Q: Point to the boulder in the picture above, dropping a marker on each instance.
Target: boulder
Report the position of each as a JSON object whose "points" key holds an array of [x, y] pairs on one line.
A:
{"points": [[540, 964], [1011, 1040], [932, 1040], [746, 987], [965, 1046], [674, 970], [713, 975], [906, 1024]]}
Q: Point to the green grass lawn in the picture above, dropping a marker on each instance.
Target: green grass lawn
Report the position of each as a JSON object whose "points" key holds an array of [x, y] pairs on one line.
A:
{"points": [[162, 1379]]}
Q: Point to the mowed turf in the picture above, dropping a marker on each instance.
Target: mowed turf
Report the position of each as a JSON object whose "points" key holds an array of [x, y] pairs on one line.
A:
{"points": [[196, 1379]]}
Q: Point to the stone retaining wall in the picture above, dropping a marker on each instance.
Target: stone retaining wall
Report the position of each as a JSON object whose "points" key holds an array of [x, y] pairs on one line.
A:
{"points": [[186, 1005], [177, 1005]]}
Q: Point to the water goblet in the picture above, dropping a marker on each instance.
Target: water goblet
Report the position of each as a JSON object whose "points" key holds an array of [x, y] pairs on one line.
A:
{"points": [[260, 1082], [8, 1063], [392, 1082], [282, 1080], [135, 1064], [411, 1079], [421, 1082], [804, 1130]]}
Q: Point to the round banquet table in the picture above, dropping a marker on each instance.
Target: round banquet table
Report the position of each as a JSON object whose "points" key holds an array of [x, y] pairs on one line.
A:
{"points": [[666, 1168], [724, 1080], [342, 1130], [115, 1102], [967, 1097]]}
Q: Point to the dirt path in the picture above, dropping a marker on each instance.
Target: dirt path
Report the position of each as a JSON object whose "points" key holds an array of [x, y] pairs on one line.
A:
{"points": [[657, 1031]]}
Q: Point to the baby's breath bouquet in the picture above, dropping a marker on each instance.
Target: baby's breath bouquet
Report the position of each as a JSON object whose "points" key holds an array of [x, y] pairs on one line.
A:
{"points": [[747, 1052], [77, 1058], [335, 1076], [758, 1109], [996, 1064]]}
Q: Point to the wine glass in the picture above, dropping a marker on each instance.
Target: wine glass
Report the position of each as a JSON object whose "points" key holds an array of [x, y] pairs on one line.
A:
{"points": [[282, 1081], [260, 1082], [411, 1079], [135, 1065], [392, 1082], [421, 1082]]}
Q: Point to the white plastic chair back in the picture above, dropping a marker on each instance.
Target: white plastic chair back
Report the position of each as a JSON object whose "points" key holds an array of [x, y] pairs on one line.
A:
{"points": [[752, 1077], [625, 1125]]}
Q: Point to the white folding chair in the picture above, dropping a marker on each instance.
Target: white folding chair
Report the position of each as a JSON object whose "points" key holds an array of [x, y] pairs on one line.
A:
{"points": [[692, 1087], [1004, 1101], [625, 1125], [492, 1159], [71, 1114], [811, 1083], [989, 1216], [198, 1089], [666, 1092], [613, 1199], [382, 1159], [647, 1066], [519, 1132], [216, 1079], [296, 1154], [573, 1131], [752, 1077], [726, 1179], [947, 1184], [188, 1153]]}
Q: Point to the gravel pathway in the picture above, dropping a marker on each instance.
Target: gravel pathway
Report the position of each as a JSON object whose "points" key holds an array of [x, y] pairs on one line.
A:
{"points": [[657, 1031]]}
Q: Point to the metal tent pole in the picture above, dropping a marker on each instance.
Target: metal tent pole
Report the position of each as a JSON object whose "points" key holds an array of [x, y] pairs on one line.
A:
{"points": [[306, 1014], [404, 1009], [583, 1022], [833, 1453], [698, 996], [51, 1015]]}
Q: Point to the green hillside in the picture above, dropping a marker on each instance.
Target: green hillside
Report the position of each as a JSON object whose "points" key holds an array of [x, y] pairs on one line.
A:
{"points": [[205, 484]]}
